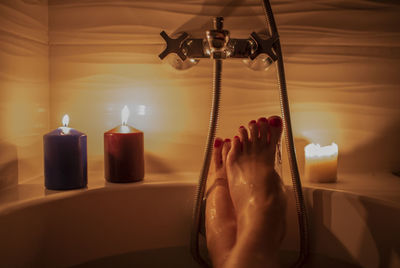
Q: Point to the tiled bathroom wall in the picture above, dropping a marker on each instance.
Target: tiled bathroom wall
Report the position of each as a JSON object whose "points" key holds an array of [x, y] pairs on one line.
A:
{"points": [[341, 59], [342, 62], [24, 88]]}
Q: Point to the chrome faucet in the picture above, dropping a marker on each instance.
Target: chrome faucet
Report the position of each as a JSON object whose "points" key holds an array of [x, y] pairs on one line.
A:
{"points": [[219, 45], [218, 39]]}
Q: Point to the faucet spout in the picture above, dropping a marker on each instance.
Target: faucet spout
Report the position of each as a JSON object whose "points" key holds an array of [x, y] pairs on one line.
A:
{"points": [[218, 40]]}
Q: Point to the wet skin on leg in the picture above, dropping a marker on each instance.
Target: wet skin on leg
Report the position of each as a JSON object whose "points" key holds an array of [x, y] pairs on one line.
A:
{"points": [[252, 198]]}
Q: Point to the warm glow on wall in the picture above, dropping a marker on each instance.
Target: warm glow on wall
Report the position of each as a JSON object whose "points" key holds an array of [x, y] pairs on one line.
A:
{"points": [[97, 66], [141, 109]]}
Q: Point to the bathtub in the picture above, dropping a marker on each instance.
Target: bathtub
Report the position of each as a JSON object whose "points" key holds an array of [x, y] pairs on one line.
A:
{"points": [[147, 224]]}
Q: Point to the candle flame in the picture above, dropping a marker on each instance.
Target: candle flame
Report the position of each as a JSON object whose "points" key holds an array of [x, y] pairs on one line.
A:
{"points": [[124, 115], [65, 120], [315, 150]]}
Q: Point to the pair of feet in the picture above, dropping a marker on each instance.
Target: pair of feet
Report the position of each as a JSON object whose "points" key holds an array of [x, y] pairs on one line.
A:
{"points": [[246, 203]]}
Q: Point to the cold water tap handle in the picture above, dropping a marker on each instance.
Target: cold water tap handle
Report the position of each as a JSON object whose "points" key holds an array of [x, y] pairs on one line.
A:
{"points": [[173, 45], [264, 46]]}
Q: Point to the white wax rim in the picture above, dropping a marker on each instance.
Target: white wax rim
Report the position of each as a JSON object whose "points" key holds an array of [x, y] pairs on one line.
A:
{"points": [[315, 150], [65, 130], [124, 129]]}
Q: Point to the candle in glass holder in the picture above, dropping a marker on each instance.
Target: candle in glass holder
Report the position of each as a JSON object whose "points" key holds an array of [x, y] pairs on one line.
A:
{"points": [[321, 162], [65, 158], [123, 152]]}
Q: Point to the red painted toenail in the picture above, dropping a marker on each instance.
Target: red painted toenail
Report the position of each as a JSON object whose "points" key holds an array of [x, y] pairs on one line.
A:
{"points": [[275, 121], [227, 140], [241, 126], [217, 143], [253, 122], [263, 119], [237, 137]]}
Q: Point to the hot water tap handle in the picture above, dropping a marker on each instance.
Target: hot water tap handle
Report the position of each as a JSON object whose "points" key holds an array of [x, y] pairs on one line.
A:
{"points": [[173, 45], [264, 46]]}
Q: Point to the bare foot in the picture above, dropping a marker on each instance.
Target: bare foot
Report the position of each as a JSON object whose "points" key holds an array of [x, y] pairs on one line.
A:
{"points": [[257, 194], [220, 215]]}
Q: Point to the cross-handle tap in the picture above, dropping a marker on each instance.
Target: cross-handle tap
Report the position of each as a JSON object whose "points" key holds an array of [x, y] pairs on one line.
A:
{"points": [[219, 45], [264, 46], [173, 45]]}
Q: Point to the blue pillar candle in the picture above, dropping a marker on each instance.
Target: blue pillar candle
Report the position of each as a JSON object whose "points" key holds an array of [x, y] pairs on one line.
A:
{"points": [[65, 158]]}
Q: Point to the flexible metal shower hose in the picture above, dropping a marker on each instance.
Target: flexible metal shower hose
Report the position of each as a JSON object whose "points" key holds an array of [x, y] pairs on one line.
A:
{"points": [[212, 129], [285, 111], [300, 206]]}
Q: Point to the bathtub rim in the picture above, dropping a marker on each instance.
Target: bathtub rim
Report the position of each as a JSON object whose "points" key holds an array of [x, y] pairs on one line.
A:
{"points": [[13, 198]]}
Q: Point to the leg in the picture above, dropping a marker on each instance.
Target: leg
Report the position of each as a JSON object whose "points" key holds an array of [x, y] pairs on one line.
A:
{"points": [[220, 215], [257, 195]]}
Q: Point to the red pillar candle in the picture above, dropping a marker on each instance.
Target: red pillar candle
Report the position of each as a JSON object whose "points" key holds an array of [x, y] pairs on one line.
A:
{"points": [[124, 152]]}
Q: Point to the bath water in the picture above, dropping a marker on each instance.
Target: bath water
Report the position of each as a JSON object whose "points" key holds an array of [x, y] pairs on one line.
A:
{"points": [[179, 257]]}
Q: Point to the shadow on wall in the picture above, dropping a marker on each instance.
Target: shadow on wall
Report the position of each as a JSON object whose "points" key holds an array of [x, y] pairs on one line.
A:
{"points": [[380, 153], [8, 164], [201, 23], [155, 164], [300, 143]]}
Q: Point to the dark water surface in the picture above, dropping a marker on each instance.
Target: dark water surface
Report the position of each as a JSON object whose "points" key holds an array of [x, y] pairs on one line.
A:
{"points": [[179, 257]]}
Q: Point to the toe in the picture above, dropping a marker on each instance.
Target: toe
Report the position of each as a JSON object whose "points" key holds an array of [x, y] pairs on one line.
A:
{"points": [[217, 153], [253, 127], [263, 125], [275, 130], [225, 150], [244, 138], [236, 149]]}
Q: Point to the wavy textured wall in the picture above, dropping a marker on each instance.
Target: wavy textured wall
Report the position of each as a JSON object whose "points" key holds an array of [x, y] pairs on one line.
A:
{"points": [[342, 62], [24, 88]]}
